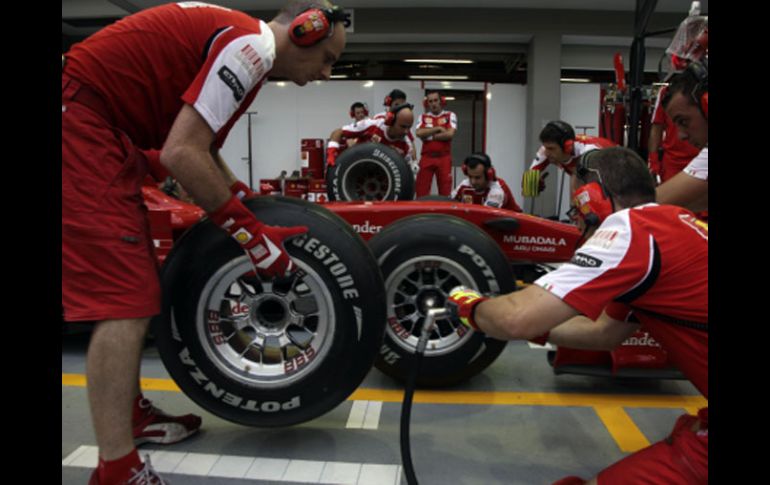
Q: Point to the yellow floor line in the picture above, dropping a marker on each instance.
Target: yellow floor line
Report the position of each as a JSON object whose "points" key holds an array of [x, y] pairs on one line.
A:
{"points": [[468, 397], [622, 428]]}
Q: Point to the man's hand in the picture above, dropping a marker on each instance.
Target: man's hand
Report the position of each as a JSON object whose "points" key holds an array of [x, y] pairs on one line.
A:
{"points": [[263, 243], [415, 166], [654, 163], [462, 302]]}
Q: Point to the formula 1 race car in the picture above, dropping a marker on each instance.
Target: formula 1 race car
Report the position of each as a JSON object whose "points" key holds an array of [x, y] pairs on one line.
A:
{"points": [[281, 352]]}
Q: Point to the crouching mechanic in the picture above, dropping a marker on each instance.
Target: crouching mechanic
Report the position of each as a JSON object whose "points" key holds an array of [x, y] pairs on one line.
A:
{"points": [[483, 186], [643, 264], [561, 147], [175, 77], [391, 131]]}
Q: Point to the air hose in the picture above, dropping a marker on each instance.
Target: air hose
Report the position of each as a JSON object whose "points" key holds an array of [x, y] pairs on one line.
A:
{"points": [[411, 382]]}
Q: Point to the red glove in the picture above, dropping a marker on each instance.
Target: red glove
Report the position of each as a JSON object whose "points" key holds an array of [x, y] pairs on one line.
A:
{"points": [[263, 243], [331, 153], [242, 191], [462, 302]]}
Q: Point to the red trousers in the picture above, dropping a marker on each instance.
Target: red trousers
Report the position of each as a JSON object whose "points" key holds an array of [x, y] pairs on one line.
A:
{"points": [[442, 167]]}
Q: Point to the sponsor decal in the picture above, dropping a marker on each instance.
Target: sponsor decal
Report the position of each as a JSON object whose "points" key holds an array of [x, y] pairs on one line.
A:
{"points": [[602, 239], [643, 340], [367, 228], [538, 244], [337, 268], [251, 61], [702, 228], [388, 355], [242, 235], [586, 261], [231, 80], [300, 361], [233, 399]]}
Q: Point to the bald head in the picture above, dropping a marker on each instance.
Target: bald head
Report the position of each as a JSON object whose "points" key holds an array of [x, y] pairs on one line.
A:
{"points": [[402, 125]]}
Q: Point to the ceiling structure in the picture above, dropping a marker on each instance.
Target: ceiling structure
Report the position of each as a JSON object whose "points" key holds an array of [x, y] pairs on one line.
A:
{"points": [[493, 34]]}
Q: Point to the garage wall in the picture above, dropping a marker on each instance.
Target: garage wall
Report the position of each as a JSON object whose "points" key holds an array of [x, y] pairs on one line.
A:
{"points": [[506, 133]]}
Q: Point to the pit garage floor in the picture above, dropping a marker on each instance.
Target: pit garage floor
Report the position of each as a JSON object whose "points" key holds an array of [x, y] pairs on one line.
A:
{"points": [[516, 423]]}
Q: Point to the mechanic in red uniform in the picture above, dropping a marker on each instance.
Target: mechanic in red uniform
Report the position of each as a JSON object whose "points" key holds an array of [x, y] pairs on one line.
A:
{"points": [[436, 129], [483, 186], [562, 148], [391, 131], [643, 264], [358, 111], [393, 99], [667, 153], [175, 77]]}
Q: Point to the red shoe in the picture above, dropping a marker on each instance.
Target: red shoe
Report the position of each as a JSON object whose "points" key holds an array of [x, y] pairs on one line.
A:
{"points": [[151, 425], [145, 475]]}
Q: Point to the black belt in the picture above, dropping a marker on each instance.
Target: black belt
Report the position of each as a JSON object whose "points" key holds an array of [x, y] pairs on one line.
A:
{"points": [[434, 154]]}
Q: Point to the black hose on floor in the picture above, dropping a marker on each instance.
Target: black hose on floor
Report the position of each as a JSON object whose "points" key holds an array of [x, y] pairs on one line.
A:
{"points": [[406, 413]]}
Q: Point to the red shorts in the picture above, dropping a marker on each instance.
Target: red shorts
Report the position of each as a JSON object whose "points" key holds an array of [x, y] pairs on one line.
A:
{"points": [[682, 458], [109, 269]]}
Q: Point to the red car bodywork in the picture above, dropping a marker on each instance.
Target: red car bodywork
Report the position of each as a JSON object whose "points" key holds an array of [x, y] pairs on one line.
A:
{"points": [[522, 237]]}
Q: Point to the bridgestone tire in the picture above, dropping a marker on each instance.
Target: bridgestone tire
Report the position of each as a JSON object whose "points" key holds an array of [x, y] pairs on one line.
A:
{"points": [[422, 258], [270, 353], [370, 171]]}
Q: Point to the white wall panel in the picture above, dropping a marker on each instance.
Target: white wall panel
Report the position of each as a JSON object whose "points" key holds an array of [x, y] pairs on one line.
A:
{"points": [[506, 133]]}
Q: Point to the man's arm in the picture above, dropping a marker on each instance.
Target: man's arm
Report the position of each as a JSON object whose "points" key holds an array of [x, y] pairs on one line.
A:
{"points": [[685, 191], [524, 314], [445, 135], [227, 174], [187, 155], [581, 332], [424, 133]]}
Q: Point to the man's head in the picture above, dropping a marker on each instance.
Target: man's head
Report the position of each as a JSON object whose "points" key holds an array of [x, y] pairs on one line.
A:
{"points": [[399, 121], [313, 22], [478, 168], [557, 138], [358, 111], [434, 102], [686, 103], [609, 180], [394, 98]]}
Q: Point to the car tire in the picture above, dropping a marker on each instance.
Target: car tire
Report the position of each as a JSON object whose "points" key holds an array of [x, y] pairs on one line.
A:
{"points": [[271, 353], [422, 258], [370, 171]]}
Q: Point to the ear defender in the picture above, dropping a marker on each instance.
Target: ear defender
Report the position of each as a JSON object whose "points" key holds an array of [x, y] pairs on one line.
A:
{"points": [[592, 200], [489, 173], [314, 25], [390, 117]]}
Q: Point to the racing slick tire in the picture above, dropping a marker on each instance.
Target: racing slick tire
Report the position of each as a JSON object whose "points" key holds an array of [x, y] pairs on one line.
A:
{"points": [[370, 171], [271, 353], [422, 258]]}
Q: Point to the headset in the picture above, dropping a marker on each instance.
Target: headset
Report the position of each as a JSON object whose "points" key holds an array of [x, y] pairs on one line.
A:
{"points": [[593, 201], [390, 117], [314, 25], [395, 94], [700, 93], [484, 159], [353, 109], [425, 101]]}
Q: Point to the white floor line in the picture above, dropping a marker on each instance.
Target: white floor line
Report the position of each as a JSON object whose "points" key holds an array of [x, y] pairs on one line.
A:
{"points": [[547, 346], [364, 415], [245, 467]]}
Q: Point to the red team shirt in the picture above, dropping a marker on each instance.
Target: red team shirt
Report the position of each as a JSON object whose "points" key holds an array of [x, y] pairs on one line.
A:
{"points": [[220, 60], [497, 194], [655, 259], [436, 148], [364, 130]]}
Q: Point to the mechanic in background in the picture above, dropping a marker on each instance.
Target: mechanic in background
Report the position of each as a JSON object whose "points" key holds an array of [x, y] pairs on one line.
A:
{"points": [[358, 111], [483, 186], [643, 264], [395, 98], [142, 83], [436, 129], [391, 131], [668, 154], [561, 148]]}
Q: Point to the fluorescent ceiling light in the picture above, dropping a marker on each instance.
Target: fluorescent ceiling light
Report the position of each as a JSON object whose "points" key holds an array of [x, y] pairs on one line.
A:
{"points": [[280, 84], [419, 76], [441, 61], [449, 98], [338, 76], [368, 84], [575, 80]]}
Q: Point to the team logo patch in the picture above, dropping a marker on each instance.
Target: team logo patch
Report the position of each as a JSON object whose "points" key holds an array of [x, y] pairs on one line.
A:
{"points": [[586, 261], [602, 239], [259, 251], [242, 236], [231, 80]]}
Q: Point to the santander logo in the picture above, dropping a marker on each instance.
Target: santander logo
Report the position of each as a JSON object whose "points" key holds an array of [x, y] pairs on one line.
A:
{"points": [[366, 228]]}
